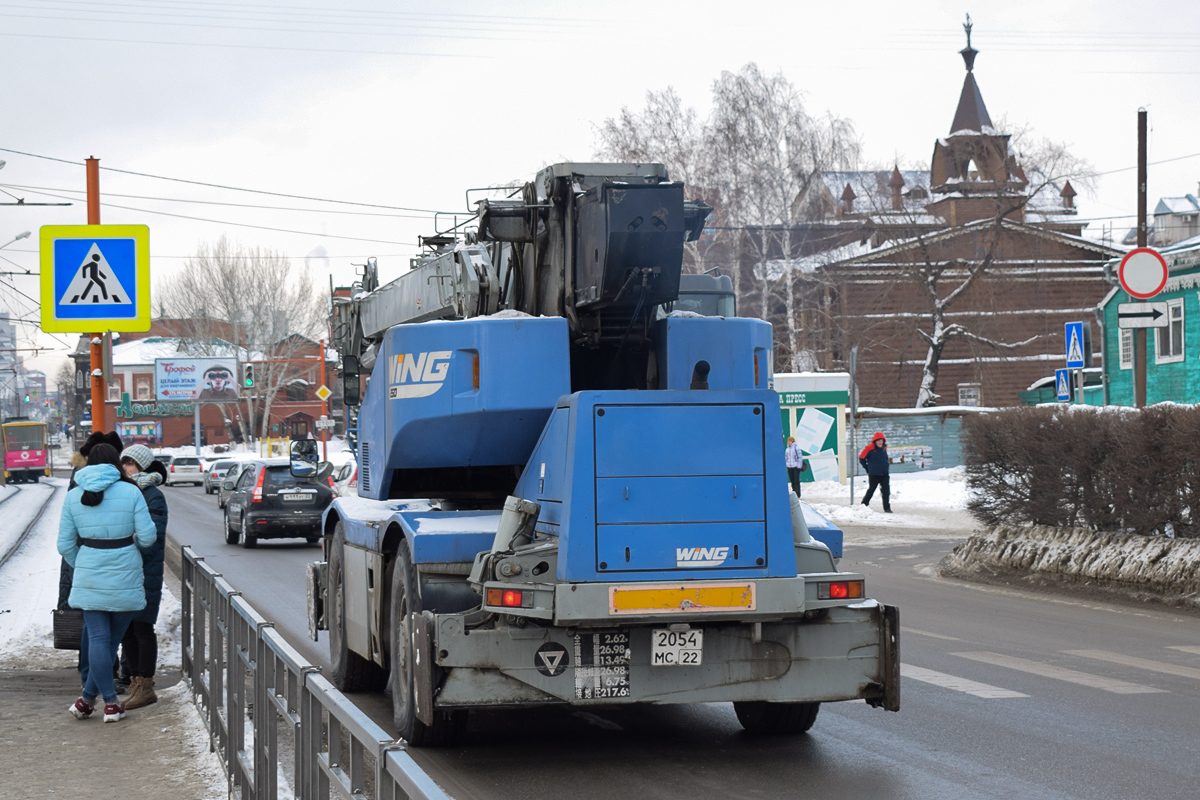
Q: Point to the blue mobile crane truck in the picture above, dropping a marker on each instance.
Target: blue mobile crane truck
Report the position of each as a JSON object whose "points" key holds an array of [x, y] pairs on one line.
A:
{"points": [[565, 497]]}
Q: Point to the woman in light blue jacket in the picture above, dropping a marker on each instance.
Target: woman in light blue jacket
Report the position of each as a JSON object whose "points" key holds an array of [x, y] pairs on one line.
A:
{"points": [[104, 525]]}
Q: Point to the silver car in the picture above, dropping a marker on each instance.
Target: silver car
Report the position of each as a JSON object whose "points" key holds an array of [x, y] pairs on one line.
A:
{"points": [[213, 474]]}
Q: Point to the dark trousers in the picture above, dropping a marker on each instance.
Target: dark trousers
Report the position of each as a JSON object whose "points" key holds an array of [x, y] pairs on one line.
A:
{"points": [[884, 490], [794, 479], [140, 649]]}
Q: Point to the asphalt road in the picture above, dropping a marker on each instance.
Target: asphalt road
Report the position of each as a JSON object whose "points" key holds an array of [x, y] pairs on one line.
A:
{"points": [[1006, 693]]}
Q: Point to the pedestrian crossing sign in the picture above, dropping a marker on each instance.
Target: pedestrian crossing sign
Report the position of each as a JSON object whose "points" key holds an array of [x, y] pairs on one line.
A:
{"points": [[95, 278], [1079, 345], [1062, 384]]}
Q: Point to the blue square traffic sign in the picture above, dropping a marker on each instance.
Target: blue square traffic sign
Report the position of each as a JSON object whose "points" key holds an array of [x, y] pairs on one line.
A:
{"points": [[95, 278], [1062, 384], [1078, 345]]}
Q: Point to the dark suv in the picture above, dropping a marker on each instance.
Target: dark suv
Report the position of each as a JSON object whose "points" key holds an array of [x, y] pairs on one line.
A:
{"points": [[267, 502]]}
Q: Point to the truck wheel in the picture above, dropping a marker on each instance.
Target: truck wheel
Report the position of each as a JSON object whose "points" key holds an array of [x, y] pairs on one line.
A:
{"points": [[350, 671], [405, 601], [776, 718], [231, 536]]}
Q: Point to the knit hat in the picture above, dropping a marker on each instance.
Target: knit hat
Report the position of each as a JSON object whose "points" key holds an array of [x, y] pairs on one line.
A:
{"points": [[140, 454], [114, 438], [93, 439]]}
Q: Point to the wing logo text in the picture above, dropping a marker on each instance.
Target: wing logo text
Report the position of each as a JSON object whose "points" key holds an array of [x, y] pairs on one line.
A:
{"points": [[700, 556], [417, 375]]}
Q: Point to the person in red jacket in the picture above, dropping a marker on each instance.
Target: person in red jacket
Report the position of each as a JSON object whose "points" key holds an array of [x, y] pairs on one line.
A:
{"points": [[874, 459]]}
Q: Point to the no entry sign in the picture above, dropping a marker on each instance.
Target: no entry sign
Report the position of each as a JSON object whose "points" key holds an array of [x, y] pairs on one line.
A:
{"points": [[1143, 273]]}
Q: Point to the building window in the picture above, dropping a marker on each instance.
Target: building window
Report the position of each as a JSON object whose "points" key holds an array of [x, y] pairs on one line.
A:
{"points": [[1170, 338], [968, 394], [143, 388], [1126, 348], [114, 389]]}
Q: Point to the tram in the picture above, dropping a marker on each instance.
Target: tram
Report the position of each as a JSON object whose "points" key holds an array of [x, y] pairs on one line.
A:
{"points": [[25, 450]]}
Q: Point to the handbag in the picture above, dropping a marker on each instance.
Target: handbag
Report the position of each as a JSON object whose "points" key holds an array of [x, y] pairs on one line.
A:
{"points": [[68, 628]]}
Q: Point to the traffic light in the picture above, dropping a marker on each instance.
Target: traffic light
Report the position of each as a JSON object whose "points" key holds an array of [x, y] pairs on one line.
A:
{"points": [[26, 398], [248, 375]]}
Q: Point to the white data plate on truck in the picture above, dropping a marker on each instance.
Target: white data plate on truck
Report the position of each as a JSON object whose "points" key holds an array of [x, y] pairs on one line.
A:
{"points": [[676, 648]]}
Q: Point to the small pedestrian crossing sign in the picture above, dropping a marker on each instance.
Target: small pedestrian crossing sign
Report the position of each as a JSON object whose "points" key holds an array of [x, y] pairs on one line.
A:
{"points": [[95, 278], [1062, 384]]}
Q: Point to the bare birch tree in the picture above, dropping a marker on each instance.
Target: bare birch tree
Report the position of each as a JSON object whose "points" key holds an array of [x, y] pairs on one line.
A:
{"points": [[254, 299], [762, 141]]}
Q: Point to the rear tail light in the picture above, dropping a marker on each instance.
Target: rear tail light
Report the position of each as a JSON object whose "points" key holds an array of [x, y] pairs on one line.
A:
{"points": [[258, 485], [509, 598], [172, 468], [840, 590], [330, 479]]}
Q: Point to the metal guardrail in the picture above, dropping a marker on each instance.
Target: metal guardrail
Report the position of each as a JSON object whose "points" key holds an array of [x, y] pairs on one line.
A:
{"points": [[251, 686]]}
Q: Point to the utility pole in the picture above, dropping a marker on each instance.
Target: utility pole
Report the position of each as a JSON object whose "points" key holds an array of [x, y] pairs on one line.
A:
{"points": [[324, 404], [96, 340], [1140, 356]]}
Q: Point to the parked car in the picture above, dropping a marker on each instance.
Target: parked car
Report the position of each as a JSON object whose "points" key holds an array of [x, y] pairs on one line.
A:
{"points": [[214, 473], [345, 480], [267, 502], [231, 475], [185, 469]]}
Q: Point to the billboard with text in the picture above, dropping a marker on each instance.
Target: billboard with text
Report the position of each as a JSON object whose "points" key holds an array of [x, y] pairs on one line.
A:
{"points": [[196, 380]]}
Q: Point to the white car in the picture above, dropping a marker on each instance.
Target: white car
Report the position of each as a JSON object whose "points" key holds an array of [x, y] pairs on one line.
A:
{"points": [[345, 479], [185, 469]]}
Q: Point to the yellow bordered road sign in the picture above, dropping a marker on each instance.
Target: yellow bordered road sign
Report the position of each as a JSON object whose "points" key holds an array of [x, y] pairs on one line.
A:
{"points": [[95, 278], [323, 392]]}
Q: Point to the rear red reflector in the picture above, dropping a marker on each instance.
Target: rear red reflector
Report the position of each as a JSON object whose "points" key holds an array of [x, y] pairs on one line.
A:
{"points": [[509, 598], [840, 590]]}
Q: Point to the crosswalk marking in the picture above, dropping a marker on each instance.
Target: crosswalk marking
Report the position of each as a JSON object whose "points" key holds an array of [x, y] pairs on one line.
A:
{"points": [[1139, 663], [1058, 673], [933, 635], [1186, 648], [956, 683]]}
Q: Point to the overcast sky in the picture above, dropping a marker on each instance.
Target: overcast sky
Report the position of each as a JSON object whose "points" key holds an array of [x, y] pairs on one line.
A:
{"points": [[409, 104]]}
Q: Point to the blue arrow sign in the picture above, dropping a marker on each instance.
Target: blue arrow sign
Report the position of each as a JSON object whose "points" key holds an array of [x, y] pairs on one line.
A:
{"points": [[1062, 384]]}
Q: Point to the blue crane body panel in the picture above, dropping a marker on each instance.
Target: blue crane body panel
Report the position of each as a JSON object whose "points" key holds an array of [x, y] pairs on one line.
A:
{"points": [[738, 352], [651, 486], [464, 394]]}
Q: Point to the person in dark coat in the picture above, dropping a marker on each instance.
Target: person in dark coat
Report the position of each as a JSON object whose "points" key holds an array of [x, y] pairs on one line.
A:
{"points": [[140, 643], [874, 459]]}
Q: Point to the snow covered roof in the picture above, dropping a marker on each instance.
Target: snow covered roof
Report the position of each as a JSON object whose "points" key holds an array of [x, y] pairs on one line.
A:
{"points": [[1188, 204], [873, 194], [143, 352]]}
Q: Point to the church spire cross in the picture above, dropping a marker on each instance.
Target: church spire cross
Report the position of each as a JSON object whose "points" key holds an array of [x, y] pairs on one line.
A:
{"points": [[968, 53]]}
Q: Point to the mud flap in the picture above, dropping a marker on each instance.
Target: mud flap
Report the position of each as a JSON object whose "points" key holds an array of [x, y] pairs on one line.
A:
{"points": [[891, 658], [315, 582], [422, 666]]}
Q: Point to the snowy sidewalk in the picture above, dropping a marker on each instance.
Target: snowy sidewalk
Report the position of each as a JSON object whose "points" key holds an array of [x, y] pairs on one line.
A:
{"points": [[159, 752]]}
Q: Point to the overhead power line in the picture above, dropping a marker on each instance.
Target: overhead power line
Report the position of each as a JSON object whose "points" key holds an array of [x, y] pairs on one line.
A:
{"points": [[222, 186]]}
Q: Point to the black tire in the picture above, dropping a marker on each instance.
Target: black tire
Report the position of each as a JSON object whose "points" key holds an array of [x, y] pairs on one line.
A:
{"points": [[313, 539], [776, 718], [404, 601], [350, 672], [231, 536], [208, 490], [220, 501], [249, 542]]}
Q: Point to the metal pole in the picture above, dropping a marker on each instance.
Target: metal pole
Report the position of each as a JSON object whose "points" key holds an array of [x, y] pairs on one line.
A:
{"points": [[196, 428], [1140, 356], [324, 404], [95, 339]]}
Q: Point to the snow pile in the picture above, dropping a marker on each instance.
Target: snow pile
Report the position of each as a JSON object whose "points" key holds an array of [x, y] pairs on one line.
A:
{"points": [[934, 502], [1153, 565]]}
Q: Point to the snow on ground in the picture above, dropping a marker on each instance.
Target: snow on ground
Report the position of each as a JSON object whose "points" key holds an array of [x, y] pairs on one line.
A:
{"points": [[925, 505], [17, 513]]}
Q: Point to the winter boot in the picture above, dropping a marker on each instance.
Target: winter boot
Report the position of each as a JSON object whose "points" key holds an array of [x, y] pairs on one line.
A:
{"points": [[113, 712], [142, 694]]}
